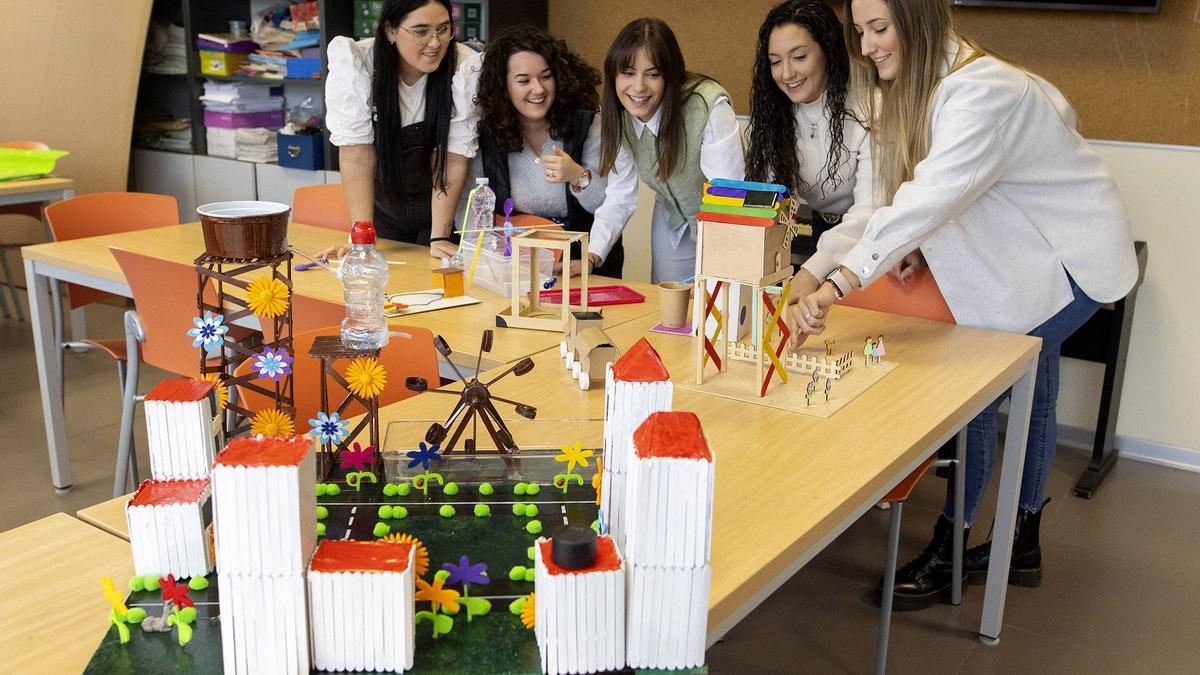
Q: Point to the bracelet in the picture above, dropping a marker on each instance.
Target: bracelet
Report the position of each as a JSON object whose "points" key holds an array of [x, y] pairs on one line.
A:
{"points": [[433, 239]]}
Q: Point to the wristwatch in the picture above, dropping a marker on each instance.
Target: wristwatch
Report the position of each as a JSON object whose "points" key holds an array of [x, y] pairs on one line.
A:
{"points": [[841, 285], [584, 181]]}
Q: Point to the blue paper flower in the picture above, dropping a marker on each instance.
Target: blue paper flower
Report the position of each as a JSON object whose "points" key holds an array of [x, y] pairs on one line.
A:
{"points": [[423, 456], [465, 573], [329, 428], [273, 363], [210, 330]]}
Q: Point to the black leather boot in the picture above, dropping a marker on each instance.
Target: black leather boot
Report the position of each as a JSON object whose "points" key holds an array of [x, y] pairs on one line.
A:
{"points": [[926, 580], [1025, 568]]}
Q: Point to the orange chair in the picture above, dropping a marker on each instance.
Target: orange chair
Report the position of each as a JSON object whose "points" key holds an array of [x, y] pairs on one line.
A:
{"points": [[403, 357], [920, 298], [322, 206], [29, 210], [164, 292]]}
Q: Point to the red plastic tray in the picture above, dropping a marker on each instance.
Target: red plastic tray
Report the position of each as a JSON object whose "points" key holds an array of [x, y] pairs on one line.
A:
{"points": [[598, 296]]}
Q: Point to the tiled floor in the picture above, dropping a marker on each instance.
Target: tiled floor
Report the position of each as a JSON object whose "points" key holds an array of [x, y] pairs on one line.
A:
{"points": [[1121, 591]]}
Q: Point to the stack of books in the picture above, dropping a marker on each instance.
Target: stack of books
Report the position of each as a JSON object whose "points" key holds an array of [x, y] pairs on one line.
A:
{"points": [[636, 385], [264, 508], [241, 119]]}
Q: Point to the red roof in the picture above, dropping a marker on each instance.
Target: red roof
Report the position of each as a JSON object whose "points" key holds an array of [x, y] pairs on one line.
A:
{"points": [[160, 492], [640, 364], [336, 555], [607, 559], [247, 451], [180, 390], [672, 435]]}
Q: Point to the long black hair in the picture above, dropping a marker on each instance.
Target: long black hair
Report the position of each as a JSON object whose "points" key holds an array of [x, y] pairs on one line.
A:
{"points": [[663, 49], [772, 154], [575, 85], [385, 91]]}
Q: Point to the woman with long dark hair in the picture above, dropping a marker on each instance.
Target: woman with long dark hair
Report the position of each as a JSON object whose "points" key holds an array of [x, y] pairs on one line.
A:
{"points": [[539, 132], [808, 131], [399, 107], [982, 176], [671, 128]]}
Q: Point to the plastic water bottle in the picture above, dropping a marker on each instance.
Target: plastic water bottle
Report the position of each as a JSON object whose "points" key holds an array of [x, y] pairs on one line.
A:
{"points": [[483, 210], [364, 279]]}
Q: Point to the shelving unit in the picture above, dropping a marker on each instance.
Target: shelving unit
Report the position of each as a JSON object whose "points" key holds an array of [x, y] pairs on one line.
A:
{"points": [[195, 178]]}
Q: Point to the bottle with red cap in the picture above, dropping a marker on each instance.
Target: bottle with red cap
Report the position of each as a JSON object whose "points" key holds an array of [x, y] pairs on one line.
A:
{"points": [[364, 280]]}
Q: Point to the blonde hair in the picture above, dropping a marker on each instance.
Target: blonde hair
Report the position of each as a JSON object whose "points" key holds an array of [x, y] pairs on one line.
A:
{"points": [[899, 117]]}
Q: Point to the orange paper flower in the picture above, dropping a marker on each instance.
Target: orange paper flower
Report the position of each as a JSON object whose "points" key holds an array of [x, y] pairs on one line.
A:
{"points": [[598, 479], [420, 553], [267, 297], [437, 595], [529, 611], [365, 377], [272, 422]]}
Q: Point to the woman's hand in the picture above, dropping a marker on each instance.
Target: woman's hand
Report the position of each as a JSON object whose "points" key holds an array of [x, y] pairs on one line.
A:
{"points": [[807, 316], [803, 283], [442, 249], [560, 168], [332, 253], [592, 260], [908, 266]]}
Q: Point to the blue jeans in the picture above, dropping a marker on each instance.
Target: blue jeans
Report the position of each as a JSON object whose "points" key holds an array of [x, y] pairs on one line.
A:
{"points": [[1043, 436]]}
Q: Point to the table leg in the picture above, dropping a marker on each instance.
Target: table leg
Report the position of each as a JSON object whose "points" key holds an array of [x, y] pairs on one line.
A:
{"points": [[49, 375], [1015, 437]]}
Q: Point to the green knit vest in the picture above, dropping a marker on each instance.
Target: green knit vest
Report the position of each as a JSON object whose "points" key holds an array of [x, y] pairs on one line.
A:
{"points": [[680, 193]]}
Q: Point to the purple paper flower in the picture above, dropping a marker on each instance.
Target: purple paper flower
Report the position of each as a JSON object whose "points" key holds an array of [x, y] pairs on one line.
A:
{"points": [[424, 455], [357, 458], [273, 363], [465, 573]]}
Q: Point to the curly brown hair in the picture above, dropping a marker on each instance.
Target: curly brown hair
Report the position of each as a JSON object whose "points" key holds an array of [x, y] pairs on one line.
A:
{"points": [[576, 85]]}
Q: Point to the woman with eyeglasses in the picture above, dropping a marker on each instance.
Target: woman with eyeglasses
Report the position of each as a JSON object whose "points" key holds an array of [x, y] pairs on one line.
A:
{"points": [[400, 108]]}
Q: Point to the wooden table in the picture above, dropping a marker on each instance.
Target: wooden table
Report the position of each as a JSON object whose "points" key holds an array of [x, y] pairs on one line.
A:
{"points": [[813, 477], [88, 262], [53, 612], [108, 516], [40, 191]]}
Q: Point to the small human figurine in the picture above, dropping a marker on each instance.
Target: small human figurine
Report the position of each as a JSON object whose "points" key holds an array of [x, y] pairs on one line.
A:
{"points": [[828, 386], [829, 346], [868, 352], [879, 351], [812, 388]]}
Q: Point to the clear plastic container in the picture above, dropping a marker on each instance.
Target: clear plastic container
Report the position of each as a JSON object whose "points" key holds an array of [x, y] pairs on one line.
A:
{"points": [[493, 271]]}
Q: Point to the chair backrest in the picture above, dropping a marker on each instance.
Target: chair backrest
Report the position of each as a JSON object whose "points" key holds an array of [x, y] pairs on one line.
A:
{"points": [[107, 213], [920, 297], [322, 206], [403, 357], [25, 145], [165, 294]]}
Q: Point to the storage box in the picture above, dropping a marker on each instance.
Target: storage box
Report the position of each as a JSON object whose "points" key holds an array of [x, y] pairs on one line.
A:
{"points": [[268, 119], [221, 63], [494, 270], [301, 151], [308, 69]]}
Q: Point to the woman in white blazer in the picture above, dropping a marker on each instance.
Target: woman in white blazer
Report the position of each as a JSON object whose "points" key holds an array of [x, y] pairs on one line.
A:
{"points": [[984, 179]]}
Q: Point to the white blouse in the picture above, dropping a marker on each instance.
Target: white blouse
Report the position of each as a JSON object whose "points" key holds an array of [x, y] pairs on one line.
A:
{"points": [[1009, 201], [721, 156], [349, 106], [852, 197]]}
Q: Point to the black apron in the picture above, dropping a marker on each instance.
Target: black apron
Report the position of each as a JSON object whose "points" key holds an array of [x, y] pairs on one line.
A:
{"points": [[821, 223], [579, 219], [404, 212]]}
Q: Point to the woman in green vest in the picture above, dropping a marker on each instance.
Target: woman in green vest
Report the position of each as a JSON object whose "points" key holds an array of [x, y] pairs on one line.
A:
{"points": [[671, 128]]}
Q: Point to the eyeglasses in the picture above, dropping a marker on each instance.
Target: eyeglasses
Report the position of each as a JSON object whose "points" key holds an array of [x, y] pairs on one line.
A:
{"points": [[426, 33]]}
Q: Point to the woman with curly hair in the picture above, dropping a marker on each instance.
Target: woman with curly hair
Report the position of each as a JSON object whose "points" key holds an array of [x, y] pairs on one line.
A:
{"points": [[671, 128], [808, 131], [539, 140]]}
